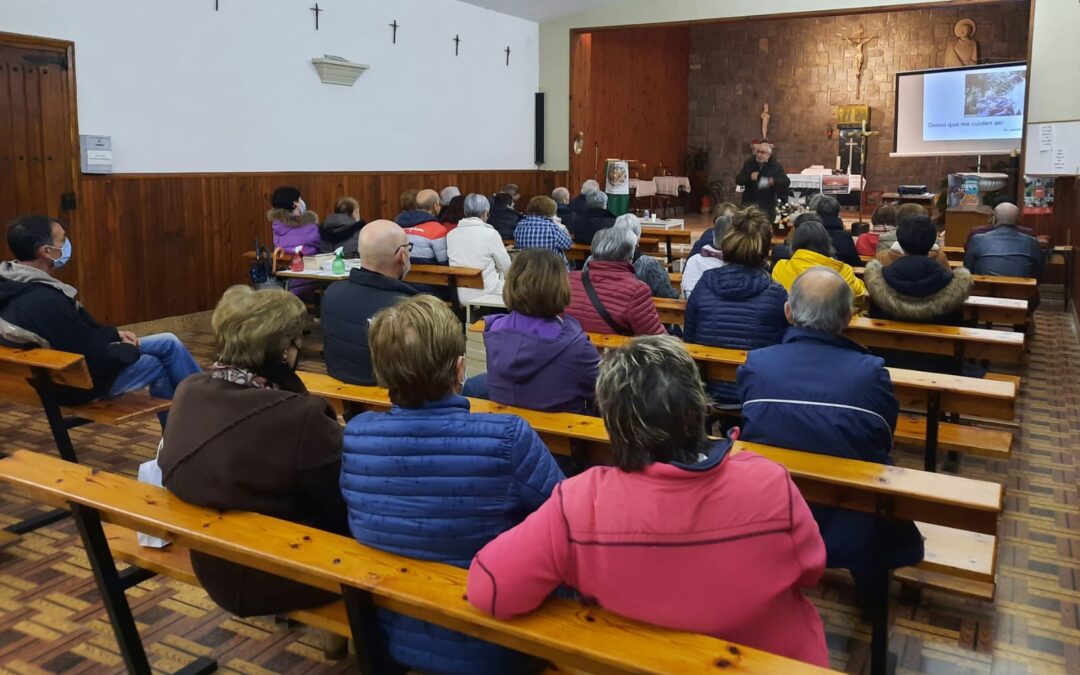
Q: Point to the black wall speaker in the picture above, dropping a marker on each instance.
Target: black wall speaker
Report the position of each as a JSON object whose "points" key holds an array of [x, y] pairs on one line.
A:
{"points": [[539, 122]]}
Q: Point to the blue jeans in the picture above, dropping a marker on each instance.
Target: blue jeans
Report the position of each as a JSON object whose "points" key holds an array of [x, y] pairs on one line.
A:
{"points": [[476, 387], [163, 363]]}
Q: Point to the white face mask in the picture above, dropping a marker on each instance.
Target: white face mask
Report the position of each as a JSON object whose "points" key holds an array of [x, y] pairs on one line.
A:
{"points": [[302, 206]]}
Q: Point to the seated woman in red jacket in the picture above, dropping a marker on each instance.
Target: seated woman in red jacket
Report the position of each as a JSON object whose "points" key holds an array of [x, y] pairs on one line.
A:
{"points": [[606, 296], [679, 533]]}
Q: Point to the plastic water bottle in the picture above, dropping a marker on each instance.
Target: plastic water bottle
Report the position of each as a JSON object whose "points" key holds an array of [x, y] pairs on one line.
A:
{"points": [[338, 266]]}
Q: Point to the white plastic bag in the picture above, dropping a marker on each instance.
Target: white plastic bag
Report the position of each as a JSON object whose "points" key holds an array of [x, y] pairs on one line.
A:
{"points": [[150, 473]]}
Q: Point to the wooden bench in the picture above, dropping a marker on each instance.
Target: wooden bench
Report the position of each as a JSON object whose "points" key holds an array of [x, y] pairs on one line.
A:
{"points": [[580, 252], [564, 632], [959, 341], [1005, 287], [1023, 288], [952, 261], [978, 309], [960, 504], [674, 235], [30, 376], [916, 390], [433, 275]]}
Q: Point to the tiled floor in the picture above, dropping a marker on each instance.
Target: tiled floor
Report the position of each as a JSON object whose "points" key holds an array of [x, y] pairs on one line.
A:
{"points": [[51, 619]]}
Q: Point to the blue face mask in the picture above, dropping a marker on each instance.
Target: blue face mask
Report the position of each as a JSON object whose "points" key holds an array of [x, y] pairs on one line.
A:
{"points": [[65, 254]]}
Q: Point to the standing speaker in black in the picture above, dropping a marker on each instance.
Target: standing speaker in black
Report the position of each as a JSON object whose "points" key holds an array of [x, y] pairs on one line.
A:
{"points": [[539, 121]]}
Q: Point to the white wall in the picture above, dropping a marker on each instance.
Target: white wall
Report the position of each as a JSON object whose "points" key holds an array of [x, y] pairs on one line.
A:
{"points": [[1055, 70], [182, 88]]}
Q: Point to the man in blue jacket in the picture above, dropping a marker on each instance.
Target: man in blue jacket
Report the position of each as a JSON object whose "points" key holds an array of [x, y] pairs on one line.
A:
{"points": [[1005, 251], [820, 392], [40, 310]]}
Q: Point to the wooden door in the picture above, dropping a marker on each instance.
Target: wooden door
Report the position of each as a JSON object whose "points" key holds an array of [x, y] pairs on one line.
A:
{"points": [[582, 166], [38, 134]]}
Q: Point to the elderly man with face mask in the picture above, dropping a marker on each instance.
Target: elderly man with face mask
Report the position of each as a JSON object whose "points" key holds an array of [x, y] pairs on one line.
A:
{"points": [[763, 180], [40, 310]]}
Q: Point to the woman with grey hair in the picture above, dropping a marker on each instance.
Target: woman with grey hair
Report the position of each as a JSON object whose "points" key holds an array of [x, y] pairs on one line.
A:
{"points": [[606, 296], [646, 267], [735, 527], [475, 243]]}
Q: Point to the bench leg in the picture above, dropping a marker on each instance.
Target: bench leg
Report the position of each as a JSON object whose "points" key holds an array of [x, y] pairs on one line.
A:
{"points": [[370, 655], [111, 586], [879, 623], [46, 391], [933, 420], [35, 522]]}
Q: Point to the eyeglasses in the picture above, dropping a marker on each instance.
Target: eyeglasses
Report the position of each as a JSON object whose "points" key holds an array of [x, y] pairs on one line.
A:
{"points": [[405, 246]]}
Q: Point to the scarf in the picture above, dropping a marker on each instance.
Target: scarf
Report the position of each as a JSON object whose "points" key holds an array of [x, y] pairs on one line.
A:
{"points": [[240, 376]]}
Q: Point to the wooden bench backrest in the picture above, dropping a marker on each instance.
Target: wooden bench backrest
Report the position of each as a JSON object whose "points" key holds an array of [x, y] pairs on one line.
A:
{"points": [[435, 275], [675, 235], [17, 366], [834, 481], [440, 275], [994, 345], [563, 631], [963, 395], [981, 343]]}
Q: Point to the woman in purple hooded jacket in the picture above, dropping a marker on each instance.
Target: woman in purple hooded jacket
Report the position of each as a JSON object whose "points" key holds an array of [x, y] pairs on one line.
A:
{"points": [[294, 226], [537, 357]]}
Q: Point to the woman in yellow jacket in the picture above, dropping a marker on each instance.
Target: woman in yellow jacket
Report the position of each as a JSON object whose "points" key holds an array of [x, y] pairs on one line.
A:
{"points": [[812, 247]]}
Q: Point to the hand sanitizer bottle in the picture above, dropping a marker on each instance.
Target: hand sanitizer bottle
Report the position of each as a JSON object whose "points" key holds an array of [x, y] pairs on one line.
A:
{"points": [[338, 266]]}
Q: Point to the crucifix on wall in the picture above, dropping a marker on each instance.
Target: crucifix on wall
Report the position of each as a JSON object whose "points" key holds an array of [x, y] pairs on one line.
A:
{"points": [[457, 43], [317, 12], [507, 54], [858, 42], [394, 25]]}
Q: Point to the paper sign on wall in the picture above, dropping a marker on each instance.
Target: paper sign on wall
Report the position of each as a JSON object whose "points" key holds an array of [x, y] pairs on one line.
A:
{"points": [[1061, 159], [1046, 137]]}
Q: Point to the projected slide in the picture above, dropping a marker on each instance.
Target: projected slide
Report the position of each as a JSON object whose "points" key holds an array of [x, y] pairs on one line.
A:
{"points": [[964, 105]]}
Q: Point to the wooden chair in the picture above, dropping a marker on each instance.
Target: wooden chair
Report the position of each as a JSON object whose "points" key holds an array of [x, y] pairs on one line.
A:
{"points": [[564, 632]]}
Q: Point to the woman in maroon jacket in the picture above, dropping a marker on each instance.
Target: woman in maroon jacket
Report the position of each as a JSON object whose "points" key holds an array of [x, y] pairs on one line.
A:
{"points": [[606, 297]]}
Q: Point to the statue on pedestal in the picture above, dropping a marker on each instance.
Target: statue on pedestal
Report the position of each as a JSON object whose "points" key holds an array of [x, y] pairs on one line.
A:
{"points": [[765, 122]]}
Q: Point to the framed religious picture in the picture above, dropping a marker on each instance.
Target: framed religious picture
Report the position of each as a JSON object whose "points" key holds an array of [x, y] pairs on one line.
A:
{"points": [[852, 115]]}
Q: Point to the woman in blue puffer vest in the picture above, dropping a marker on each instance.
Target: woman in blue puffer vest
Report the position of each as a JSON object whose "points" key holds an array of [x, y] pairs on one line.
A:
{"points": [[738, 306], [433, 481]]}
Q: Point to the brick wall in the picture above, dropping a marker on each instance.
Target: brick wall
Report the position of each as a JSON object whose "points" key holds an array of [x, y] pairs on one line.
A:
{"points": [[804, 71]]}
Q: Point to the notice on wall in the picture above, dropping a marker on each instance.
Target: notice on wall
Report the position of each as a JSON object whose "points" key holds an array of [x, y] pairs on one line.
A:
{"points": [[1038, 195], [1061, 160], [1046, 137]]}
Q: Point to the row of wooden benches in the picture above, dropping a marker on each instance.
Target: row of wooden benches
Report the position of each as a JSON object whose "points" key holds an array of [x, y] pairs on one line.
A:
{"points": [[959, 536]]}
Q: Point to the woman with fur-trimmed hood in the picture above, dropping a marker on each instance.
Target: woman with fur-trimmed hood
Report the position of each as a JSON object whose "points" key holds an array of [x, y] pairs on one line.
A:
{"points": [[294, 226], [916, 288]]}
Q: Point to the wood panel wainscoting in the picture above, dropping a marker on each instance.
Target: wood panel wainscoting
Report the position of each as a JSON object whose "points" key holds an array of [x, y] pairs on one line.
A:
{"points": [[158, 245]]}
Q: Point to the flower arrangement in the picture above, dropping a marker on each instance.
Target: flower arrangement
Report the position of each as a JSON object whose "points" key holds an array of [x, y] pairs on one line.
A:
{"points": [[786, 212]]}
